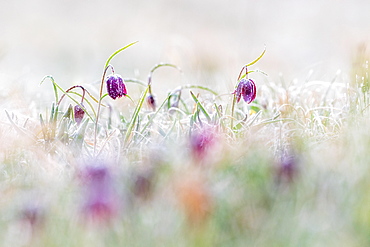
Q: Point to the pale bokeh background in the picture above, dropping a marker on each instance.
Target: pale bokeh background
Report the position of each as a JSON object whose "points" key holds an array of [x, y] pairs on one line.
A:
{"points": [[209, 40]]}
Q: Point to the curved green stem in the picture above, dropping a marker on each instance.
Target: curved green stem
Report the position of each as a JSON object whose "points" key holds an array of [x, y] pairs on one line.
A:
{"points": [[155, 68], [69, 89], [56, 87], [232, 111], [89, 103], [133, 80], [158, 66], [99, 104], [199, 87]]}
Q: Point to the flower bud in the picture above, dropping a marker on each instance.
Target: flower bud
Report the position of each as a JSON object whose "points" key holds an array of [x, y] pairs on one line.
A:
{"points": [[151, 101], [115, 86], [79, 113]]}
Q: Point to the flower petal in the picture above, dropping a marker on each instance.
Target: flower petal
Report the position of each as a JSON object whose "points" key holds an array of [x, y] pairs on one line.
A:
{"points": [[238, 91]]}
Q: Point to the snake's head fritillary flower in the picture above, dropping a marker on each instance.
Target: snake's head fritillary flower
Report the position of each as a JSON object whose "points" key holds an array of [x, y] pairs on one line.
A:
{"points": [[287, 168], [151, 101], [115, 86], [100, 202], [201, 141], [32, 216], [246, 89], [79, 113]]}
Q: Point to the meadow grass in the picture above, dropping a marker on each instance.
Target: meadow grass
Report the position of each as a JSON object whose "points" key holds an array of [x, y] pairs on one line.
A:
{"points": [[198, 169]]}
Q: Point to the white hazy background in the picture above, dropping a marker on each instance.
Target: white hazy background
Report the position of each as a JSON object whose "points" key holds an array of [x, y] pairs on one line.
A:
{"points": [[209, 40]]}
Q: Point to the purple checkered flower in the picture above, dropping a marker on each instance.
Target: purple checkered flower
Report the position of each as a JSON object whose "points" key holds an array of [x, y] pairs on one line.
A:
{"points": [[247, 89], [115, 86]]}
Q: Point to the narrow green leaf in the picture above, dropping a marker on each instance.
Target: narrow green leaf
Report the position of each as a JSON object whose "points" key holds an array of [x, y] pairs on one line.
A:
{"points": [[258, 58], [17, 128], [54, 86], [251, 71], [118, 51], [79, 135], [254, 118], [68, 113], [135, 116], [43, 129], [53, 118], [63, 130], [164, 64], [200, 106], [155, 114]]}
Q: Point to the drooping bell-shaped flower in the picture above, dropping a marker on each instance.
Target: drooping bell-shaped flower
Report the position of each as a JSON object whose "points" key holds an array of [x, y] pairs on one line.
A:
{"points": [[115, 86], [79, 113], [151, 101], [246, 89]]}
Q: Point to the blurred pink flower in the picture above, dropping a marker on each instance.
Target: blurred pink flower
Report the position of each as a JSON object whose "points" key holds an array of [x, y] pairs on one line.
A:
{"points": [[201, 141]]}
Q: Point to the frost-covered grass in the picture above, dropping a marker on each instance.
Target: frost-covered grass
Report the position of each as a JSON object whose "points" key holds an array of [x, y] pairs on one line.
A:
{"points": [[289, 169]]}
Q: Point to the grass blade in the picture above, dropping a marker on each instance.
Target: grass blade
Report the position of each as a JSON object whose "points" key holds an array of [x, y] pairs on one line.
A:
{"points": [[118, 51], [54, 86], [135, 116], [79, 136], [200, 106], [17, 128]]}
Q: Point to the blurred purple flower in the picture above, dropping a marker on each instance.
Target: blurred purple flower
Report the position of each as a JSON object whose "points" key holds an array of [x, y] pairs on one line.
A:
{"points": [[201, 141], [143, 185], [100, 204], [32, 215], [115, 86], [78, 113], [247, 89], [287, 169]]}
